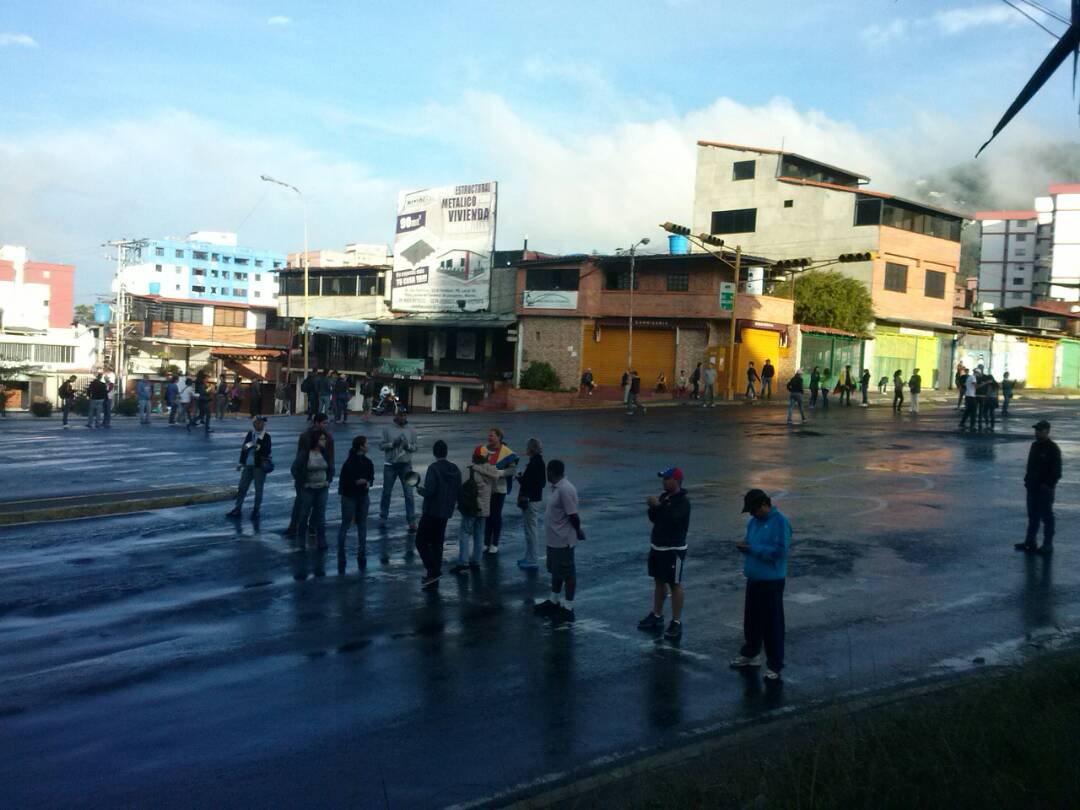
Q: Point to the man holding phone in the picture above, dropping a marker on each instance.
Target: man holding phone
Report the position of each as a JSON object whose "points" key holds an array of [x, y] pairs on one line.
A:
{"points": [[670, 517]]}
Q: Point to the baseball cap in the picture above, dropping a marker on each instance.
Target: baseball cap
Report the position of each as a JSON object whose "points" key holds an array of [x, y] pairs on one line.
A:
{"points": [[753, 499], [671, 472], [1042, 424]]}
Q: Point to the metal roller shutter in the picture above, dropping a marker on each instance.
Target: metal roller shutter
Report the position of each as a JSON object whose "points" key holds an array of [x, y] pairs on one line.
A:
{"points": [[654, 351], [892, 352], [1040, 369], [757, 345], [1070, 364]]}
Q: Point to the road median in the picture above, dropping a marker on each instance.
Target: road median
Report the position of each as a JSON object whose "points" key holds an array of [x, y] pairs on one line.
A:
{"points": [[69, 507]]}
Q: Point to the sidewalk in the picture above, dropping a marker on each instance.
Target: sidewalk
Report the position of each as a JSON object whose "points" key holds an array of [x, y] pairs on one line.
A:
{"points": [[34, 510]]}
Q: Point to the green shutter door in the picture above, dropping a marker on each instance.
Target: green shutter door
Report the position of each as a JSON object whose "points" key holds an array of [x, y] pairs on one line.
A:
{"points": [[1070, 364]]}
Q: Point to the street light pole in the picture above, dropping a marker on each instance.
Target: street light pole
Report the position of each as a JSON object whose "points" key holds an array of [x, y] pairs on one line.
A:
{"points": [[630, 321], [303, 204]]}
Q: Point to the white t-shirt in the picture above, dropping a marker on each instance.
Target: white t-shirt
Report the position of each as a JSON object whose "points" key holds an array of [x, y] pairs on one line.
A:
{"points": [[969, 385], [186, 394], [386, 391]]}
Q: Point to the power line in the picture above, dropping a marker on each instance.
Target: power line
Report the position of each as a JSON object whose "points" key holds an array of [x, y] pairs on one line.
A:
{"points": [[1048, 12], [1043, 27]]}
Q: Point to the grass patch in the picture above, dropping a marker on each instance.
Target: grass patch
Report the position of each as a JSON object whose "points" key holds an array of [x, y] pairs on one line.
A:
{"points": [[1010, 741]]}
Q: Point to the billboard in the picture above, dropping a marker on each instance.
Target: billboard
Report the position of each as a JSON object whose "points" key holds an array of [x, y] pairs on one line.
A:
{"points": [[444, 242]]}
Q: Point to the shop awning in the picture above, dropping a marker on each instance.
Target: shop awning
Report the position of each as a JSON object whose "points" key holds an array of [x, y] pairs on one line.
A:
{"points": [[474, 320], [248, 354], [339, 326]]}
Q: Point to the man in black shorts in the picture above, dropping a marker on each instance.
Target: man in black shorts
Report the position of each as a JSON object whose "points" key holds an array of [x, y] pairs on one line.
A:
{"points": [[670, 516], [562, 530]]}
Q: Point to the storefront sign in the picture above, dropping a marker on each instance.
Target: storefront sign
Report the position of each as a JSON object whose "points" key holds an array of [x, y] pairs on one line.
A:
{"points": [[550, 299], [727, 295], [443, 248], [401, 367]]}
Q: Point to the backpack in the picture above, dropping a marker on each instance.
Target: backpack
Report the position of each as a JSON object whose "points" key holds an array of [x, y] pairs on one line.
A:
{"points": [[468, 499], [305, 385]]}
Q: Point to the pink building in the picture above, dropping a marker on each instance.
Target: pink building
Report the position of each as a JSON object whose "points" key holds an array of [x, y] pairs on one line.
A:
{"points": [[34, 295]]}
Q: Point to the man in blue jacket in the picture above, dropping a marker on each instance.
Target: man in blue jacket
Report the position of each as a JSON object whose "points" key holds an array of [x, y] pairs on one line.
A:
{"points": [[765, 551]]}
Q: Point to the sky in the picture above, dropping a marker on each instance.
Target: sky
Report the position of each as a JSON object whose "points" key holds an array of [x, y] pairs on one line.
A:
{"points": [[145, 119]]}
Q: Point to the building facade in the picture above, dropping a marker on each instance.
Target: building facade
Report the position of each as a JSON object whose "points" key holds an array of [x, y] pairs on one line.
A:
{"points": [[356, 254], [1012, 243], [786, 205]]}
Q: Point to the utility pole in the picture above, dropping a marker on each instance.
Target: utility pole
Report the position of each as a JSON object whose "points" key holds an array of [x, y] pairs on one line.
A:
{"points": [[128, 251], [630, 321]]}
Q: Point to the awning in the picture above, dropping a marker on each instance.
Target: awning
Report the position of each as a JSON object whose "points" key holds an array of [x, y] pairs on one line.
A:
{"points": [[475, 320], [339, 326], [248, 354], [930, 326]]}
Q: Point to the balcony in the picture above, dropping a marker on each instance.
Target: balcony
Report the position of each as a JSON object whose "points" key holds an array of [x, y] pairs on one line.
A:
{"points": [[210, 335]]}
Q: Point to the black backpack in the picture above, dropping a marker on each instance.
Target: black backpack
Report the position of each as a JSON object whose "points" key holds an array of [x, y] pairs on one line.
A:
{"points": [[468, 499]]}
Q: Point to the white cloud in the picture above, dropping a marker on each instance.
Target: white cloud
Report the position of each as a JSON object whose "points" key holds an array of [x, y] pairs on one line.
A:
{"points": [[950, 22], [279, 19], [25, 40], [877, 35]]}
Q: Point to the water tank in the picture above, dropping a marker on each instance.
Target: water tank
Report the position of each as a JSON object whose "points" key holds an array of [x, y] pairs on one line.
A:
{"points": [[755, 280], [155, 288], [102, 313], [678, 245]]}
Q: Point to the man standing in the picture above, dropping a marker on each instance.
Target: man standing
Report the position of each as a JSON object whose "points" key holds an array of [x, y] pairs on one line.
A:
{"points": [[442, 483], [98, 393], [625, 382], [530, 494], [255, 462], [67, 398], [670, 516], [709, 376], [632, 403], [172, 398], [1040, 481], [324, 387], [967, 387], [795, 395], [587, 384], [914, 387], [354, 486], [144, 392], [768, 371], [110, 385], [398, 444], [695, 382], [765, 551], [255, 391], [847, 385], [751, 378], [562, 531], [1007, 386], [864, 388]]}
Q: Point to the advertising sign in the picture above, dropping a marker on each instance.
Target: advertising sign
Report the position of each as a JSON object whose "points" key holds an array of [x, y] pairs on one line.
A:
{"points": [[443, 247]]}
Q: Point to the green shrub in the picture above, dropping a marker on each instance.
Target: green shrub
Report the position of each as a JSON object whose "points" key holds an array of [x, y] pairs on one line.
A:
{"points": [[128, 406], [541, 377], [41, 408]]}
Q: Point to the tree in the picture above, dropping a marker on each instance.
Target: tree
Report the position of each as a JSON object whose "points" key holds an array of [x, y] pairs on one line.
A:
{"points": [[829, 298], [84, 313]]}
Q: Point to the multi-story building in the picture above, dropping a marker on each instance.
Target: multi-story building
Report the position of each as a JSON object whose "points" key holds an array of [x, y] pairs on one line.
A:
{"points": [[1011, 245], [205, 266], [356, 254], [39, 345], [779, 203]]}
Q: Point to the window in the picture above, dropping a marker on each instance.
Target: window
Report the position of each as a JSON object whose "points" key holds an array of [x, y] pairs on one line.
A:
{"points": [[198, 271], [934, 286], [179, 268], [339, 285], [258, 262], [258, 294], [370, 285], [225, 291], [224, 273], [1016, 295], [45, 353], [277, 265], [789, 203], [743, 170], [15, 351], [552, 278], [741, 220], [240, 276], [678, 282], [157, 268], [213, 290], [895, 277], [239, 292], [160, 251], [1018, 279], [240, 260], [223, 316], [214, 273], [199, 254], [179, 254], [1020, 252], [908, 217], [620, 280], [214, 257], [198, 288], [868, 211], [226, 259], [258, 276], [1021, 237]]}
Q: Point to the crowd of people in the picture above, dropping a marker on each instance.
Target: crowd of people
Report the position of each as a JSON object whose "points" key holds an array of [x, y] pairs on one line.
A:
{"points": [[978, 397]]}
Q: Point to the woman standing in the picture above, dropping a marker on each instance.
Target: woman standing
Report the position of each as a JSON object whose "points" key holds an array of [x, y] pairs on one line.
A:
{"points": [[482, 479], [313, 471], [898, 390], [221, 397], [255, 462], [825, 389], [354, 484], [815, 385], [530, 493], [501, 457]]}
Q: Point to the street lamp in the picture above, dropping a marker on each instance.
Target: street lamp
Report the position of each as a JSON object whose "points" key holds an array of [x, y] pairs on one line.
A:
{"points": [[630, 332], [267, 178]]}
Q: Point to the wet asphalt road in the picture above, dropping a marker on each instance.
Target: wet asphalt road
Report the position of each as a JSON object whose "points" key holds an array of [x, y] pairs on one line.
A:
{"points": [[178, 659]]}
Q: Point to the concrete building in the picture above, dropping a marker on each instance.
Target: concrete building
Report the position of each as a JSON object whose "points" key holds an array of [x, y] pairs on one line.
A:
{"points": [[205, 266], [34, 295], [783, 204], [356, 254], [1058, 266], [1010, 247]]}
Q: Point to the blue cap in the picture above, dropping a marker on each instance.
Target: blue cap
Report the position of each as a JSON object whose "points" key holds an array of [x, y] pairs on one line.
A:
{"points": [[671, 472]]}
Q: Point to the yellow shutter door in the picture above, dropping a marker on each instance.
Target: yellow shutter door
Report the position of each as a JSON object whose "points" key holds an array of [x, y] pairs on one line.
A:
{"points": [[1040, 370], [654, 351], [758, 345]]}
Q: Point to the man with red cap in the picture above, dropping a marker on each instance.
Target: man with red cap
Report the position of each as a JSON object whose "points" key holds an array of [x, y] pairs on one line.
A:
{"points": [[670, 516]]}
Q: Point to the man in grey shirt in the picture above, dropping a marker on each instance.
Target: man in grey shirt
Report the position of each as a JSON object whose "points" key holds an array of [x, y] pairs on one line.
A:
{"points": [[709, 376], [398, 443], [562, 529]]}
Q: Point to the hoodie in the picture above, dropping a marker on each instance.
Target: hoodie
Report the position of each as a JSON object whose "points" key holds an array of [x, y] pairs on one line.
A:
{"points": [[671, 521], [769, 541], [442, 482]]}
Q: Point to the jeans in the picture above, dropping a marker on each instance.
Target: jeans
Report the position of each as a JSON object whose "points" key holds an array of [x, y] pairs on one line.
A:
{"points": [[914, 401], [824, 399], [795, 398], [1005, 404], [763, 621], [66, 407], [341, 408], [324, 404], [174, 407], [625, 394], [429, 543], [493, 526], [710, 394], [247, 475], [391, 473], [970, 412], [865, 391], [845, 395], [106, 419], [897, 400], [294, 518], [220, 405], [144, 411], [529, 517], [313, 511], [97, 407], [813, 397], [766, 387], [353, 509], [1040, 508], [750, 392], [470, 527]]}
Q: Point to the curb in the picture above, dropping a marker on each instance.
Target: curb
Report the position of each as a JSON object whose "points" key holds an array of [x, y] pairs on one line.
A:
{"points": [[21, 512]]}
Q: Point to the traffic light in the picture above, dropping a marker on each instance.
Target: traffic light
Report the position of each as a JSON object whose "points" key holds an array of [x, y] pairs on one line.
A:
{"points": [[790, 264], [864, 256], [671, 227], [709, 239]]}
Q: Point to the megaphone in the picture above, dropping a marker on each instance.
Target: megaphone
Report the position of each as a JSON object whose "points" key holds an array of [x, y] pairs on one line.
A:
{"points": [[411, 478]]}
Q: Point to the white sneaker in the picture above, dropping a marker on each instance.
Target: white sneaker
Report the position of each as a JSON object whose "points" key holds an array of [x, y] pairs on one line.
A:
{"points": [[770, 675], [742, 661]]}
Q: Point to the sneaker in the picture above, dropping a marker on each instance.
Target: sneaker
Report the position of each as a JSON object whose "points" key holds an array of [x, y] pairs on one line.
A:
{"points": [[234, 513], [563, 614], [740, 661], [674, 631], [1045, 549], [491, 550], [460, 568], [546, 608], [430, 584], [651, 622], [1025, 547], [770, 675], [525, 565]]}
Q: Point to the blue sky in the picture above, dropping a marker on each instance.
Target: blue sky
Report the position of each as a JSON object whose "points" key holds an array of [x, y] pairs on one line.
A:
{"points": [[129, 118]]}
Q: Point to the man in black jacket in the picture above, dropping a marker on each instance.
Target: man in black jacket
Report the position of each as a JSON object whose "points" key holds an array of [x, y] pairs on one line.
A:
{"points": [[531, 484], [67, 398], [354, 485], [670, 516], [440, 493], [1043, 473], [254, 464]]}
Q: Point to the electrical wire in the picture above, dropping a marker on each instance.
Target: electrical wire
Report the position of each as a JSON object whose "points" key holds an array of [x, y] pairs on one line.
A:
{"points": [[1043, 27], [1048, 12]]}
